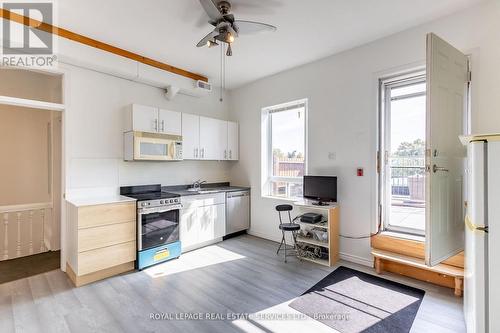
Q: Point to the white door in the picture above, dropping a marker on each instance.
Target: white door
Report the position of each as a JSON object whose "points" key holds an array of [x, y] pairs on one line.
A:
{"points": [[493, 235], [144, 118], [189, 227], [447, 70], [190, 136], [209, 138], [207, 223], [475, 241], [169, 122], [221, 150], [232, 141], [220, 220]]}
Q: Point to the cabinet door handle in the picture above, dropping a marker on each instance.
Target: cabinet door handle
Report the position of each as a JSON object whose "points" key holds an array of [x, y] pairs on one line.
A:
{"points": [[196, 152], [163, 125], [230, 154], [202, 152], [156, 125], [225, 154]]}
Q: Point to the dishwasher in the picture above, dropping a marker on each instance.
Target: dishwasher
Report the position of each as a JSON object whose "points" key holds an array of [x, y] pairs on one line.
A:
{"points": [[237, 211]]}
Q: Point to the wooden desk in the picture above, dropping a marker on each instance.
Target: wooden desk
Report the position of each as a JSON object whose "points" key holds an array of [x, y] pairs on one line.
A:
{"points": [[331, 212]]}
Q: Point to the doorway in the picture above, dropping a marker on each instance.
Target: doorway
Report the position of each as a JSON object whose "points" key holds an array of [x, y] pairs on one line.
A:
{"points": [[30, 172], [403, 135]]}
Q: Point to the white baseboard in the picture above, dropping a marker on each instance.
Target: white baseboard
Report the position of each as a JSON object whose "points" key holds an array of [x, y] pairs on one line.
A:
{"points": [[200, 245], [356, 259], [264, 236]]}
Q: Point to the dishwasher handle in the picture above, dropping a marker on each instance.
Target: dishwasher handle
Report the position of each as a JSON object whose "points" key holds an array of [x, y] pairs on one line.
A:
{"points": [[238, 194]]}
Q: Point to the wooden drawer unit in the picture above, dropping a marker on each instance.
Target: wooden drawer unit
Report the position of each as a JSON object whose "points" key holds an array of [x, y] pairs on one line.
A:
{"points": [[101, 240], [99, 259], [107, 235], [92, 216]]}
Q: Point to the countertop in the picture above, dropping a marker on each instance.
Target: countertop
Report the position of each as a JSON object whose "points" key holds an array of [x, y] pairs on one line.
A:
{"points": [[217, 187], [99, 200]]}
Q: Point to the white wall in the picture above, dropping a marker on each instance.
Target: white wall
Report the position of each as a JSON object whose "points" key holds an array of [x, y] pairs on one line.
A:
{"points": [[342, 114], [94, 124]]}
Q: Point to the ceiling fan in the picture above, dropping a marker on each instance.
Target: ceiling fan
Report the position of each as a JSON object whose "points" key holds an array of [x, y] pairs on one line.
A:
{"points": [[227, 28]]}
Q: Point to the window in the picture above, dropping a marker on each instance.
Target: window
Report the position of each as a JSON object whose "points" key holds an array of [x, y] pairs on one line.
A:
{"points": [[284, 149], [402, 143]]}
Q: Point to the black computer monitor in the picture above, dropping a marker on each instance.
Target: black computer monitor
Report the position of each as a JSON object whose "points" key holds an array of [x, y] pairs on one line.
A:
{"points": [[320, 188]]}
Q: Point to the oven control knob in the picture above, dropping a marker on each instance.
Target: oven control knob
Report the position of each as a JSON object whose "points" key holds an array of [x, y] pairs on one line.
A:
{"points": [[143, 204], [161, 202], [176, 200], [171, 201]]}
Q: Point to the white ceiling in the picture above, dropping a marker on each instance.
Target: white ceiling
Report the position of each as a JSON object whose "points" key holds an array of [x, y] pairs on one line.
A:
{"points": [[168, 30]]}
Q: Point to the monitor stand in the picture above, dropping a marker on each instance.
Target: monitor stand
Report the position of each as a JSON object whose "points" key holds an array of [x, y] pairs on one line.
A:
{"points": [[320, 203]]}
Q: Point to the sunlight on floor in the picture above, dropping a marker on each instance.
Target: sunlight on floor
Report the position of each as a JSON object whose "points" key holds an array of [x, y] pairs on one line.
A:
{"points": [[193, 260]]}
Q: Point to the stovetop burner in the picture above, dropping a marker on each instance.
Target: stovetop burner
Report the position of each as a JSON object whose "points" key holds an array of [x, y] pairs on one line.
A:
{"points": [[153, 196], [150, 195]]}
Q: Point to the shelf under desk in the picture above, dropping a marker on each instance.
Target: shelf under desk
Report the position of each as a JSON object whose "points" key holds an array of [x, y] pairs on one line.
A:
{"points": [[331, 212]]}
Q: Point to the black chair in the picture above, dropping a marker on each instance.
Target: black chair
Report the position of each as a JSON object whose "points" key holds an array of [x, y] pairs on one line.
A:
{"points": [[284, 227]]}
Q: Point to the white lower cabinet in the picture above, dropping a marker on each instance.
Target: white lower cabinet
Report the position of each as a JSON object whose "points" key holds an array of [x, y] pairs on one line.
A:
{"points": [[202, 220]]}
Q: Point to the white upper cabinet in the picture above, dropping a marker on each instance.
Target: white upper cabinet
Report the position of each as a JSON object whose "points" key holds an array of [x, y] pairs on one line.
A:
{"points": [[232, 141], [154, 120], [213, 139], [190, 136], [144, 118], [208, 140], [169, 122], [203, 138]]}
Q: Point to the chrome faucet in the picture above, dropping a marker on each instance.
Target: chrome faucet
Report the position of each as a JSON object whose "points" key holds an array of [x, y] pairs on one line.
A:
{"points": [[197, 184]]}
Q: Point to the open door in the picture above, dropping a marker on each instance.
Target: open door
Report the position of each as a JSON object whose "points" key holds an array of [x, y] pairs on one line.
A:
{"points": [[447, 80]]}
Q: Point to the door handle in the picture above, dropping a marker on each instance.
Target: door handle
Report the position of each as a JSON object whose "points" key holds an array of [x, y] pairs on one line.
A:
{"points": [[435, 169]]}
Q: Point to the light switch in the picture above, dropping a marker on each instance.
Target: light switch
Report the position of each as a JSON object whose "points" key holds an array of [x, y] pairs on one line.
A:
{"points": [[332, 156]]}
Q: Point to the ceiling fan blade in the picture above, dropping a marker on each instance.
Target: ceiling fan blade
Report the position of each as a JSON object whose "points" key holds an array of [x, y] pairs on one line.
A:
{"points": [[211, 10], [208, 37], [250, 27]]}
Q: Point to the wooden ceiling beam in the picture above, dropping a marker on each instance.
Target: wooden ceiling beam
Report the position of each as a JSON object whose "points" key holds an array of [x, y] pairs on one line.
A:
{"points": [[8, 15]]}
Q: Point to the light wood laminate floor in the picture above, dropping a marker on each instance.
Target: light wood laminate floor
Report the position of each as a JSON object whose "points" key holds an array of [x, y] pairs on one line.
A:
{"points": [[240, 275]]}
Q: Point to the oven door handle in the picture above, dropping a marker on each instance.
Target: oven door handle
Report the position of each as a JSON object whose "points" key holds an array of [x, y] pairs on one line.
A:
{"points": [[143, 211]]}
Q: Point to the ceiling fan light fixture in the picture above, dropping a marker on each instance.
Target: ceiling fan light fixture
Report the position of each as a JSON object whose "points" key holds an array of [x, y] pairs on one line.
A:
{"points": [[230, 38], [212, 43]]}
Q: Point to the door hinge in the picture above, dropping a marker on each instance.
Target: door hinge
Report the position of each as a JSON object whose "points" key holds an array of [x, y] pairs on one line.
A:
{"points": [[378, 161]]}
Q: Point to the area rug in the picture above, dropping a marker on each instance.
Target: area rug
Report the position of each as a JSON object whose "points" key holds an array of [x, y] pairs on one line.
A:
{"points": [[351, 301]]}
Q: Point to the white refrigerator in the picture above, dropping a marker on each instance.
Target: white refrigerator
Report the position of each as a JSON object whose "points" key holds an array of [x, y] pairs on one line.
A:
{"points": [[482, 234]]}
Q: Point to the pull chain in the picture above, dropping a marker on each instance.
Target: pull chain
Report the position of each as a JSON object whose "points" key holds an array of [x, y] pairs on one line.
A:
{"points": [[221, 71]]}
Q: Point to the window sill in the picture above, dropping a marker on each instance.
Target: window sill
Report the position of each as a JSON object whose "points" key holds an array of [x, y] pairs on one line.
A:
{"points": [[403, 235], [280, 198]]}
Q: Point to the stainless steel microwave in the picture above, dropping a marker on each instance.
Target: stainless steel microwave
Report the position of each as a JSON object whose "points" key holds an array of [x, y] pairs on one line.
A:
{"points": [[143, 146]]}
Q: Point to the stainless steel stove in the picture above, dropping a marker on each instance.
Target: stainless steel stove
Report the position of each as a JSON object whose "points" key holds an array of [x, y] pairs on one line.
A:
{"points": [[157, 224]]}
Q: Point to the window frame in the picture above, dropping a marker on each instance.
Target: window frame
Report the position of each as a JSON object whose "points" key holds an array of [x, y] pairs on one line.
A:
{"points": [[385, 85], [267, 146]]}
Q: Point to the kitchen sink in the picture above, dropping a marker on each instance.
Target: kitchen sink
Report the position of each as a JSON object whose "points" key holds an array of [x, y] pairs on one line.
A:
{"points": [[206, 191], [203, 190]]}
